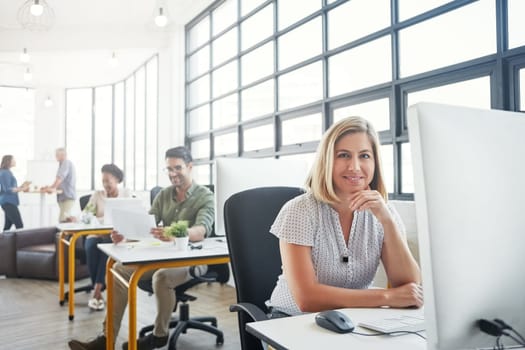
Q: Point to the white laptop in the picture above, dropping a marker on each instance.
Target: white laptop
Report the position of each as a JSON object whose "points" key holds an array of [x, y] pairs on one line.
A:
{"points": [[133, 224]]}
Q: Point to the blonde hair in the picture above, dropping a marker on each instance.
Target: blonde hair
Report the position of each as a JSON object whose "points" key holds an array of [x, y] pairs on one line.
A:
{"points": [[319, 180]]}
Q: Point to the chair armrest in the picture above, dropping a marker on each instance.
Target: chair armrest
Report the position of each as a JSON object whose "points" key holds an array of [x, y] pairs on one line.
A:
{"points": [[255, 313]]}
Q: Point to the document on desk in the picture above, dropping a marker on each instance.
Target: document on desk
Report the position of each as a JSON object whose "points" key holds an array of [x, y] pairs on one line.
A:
{"points": [[133, 224]]}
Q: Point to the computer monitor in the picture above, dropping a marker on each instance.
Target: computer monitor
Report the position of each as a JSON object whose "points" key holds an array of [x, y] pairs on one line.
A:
{"points": [[469, 173], [129, 204], [232, 175]]}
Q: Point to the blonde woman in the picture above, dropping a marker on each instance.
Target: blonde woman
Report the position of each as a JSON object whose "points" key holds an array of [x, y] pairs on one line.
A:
{"points": [[333, 237]]}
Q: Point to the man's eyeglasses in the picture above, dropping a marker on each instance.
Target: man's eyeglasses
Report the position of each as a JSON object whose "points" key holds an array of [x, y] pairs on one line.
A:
{"points": [[175, 169]]}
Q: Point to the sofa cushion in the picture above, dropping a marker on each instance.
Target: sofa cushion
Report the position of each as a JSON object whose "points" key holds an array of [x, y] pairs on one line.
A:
{"points": [[8, 254], [37, 262]]}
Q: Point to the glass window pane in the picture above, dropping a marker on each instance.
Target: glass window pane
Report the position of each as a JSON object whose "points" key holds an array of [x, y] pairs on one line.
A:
{"points": [[360, 67], [387, 164], [151, 123], [377, 112], [199, 91], [411, 8], [249, 5], [470, 93], [226, 144], [224, 16], [474, 24], [407, 185], [201, 174], [347, 22], [301, 86], [78, 134], [200, 149], [225, 79], [225, 111], [129, 180], [199, 119], [102, 130], [140, 125], [301, 43], [516, 23], [302, 129], [289, 12], [308, 158], [257, 27], [258, 100], [257, 64], [17, 118], [199, 34], [225, 46], [118, 130], [522, 89], [259, 137], [199, 62]]}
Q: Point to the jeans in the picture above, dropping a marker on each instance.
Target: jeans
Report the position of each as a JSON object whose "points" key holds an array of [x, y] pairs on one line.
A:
{"points": [[12, 216], [96, 259]]}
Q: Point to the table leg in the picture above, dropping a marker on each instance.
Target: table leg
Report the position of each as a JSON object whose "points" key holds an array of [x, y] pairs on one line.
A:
{"points": [[61, 244], [71, 270], [110, 344], [42, 209], [132, 306]]}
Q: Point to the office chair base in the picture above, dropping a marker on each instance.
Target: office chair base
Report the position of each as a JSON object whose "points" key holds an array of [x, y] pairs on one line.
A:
{"points": [[86, 289], [183, 326]]}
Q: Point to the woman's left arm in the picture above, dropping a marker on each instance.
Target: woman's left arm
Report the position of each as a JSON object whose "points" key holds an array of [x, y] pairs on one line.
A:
{"points": [[400, 266]]}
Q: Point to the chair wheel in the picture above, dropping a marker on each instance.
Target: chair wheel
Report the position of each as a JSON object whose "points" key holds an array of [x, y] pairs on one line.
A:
{"points": [[220, 340], [61, 302]]}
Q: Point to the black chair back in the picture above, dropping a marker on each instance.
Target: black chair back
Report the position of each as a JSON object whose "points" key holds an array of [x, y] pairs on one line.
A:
{"points": [[153, 193], [254, 251], [84, 200]]}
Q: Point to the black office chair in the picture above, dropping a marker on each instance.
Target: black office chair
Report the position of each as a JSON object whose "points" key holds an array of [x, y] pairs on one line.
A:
{"points": [[80, 252], [181, 323], [153, 193], [254, 251]]}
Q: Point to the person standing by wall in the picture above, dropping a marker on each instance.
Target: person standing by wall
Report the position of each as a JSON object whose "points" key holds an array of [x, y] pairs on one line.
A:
{"points": [[64, 184], [9, 193]]}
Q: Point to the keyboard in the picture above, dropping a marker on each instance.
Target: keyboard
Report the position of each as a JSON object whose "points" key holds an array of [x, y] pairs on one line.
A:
{"points": [[400, 323]]}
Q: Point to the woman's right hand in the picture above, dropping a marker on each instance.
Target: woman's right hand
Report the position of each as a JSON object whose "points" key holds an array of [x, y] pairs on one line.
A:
{"points": [[407, 295], [116, 237]]}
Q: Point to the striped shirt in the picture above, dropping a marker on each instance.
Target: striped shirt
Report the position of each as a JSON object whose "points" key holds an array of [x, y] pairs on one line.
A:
{"points": [[308, 222], [198, 208]]}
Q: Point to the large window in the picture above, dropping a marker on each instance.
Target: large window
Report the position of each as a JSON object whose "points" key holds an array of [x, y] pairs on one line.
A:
{"points": [[267, 78], [115, 124]]}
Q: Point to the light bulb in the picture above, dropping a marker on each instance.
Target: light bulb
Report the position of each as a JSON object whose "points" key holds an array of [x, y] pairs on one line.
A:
{"points": [[37, 9], [27, 75], [161, 20], [48, 102], [24, 56], [113, 61]]}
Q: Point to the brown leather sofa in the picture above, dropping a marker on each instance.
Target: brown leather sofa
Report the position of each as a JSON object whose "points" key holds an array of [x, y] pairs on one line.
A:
{"points": [[33, 253]]}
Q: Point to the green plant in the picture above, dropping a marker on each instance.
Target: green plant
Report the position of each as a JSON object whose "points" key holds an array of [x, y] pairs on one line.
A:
{"points": [[177, 229], [90, 208]]}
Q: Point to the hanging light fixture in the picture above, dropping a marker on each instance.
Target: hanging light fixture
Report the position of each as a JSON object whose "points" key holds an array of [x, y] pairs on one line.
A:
{"points": [[48, 102], [28, 75], [161, 19], [36, 15], [24, 56], [36, 8]]}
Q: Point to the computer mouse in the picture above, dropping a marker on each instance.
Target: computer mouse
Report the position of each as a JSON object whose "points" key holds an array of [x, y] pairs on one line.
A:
{"points": [[334, 321]]}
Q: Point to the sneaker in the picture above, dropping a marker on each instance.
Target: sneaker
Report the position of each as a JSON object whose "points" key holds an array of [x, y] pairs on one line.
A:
{"points": [[93, 304], [148, 342], [100, 304], [99, 343]]}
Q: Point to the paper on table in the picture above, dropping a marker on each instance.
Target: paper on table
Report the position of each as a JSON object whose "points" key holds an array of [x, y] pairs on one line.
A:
{"points": [[133, 224]]}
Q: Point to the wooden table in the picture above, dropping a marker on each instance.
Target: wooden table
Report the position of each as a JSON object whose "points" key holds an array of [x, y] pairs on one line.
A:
{"points": [[73, 231], [146, 256]]}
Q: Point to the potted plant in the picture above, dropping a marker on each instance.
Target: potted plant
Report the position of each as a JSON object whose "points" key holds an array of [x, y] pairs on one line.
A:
{"points": [[179, 232], [88, 214]]}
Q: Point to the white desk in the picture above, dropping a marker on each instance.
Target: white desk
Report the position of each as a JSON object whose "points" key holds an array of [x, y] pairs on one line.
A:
{"points": [[301, 332], [145, 256], [69, 233]]}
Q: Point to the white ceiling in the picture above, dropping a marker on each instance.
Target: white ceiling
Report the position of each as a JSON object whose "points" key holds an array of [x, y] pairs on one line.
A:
{"points": [[76, 50]]}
